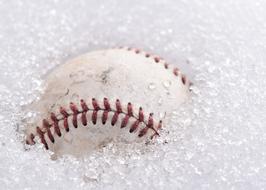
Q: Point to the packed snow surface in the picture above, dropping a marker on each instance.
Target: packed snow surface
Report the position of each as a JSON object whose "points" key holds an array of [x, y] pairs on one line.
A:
{"points": [[217, 140]]}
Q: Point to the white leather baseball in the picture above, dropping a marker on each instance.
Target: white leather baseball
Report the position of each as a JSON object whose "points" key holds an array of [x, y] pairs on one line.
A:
{"points": [[122, 93]]}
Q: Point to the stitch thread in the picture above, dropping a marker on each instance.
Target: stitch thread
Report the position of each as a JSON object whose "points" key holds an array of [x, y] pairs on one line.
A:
{"points": [[46, 126], [157, 59]]}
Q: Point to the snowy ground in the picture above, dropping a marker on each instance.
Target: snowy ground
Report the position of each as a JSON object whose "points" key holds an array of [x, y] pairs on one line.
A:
{"points": [[217, 140]]}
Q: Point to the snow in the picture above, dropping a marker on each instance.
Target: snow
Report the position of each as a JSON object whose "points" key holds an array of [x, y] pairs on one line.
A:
{"points": [[216, 141]]}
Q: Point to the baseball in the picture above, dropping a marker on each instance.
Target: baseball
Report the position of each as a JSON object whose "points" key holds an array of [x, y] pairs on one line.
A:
{"points": [[120, 94]]}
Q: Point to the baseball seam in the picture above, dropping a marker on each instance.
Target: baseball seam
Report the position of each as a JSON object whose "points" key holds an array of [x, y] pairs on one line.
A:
{"points": [[158, 59], [139, 118]]}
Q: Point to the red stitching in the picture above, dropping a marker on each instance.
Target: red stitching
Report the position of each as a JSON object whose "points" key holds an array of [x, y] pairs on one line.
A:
{"points": [[94, 117], [66, 124], [95, 104], [84, 118], [55, 123], [75, 111], [63, 112], [175, 71], [134, 126], [46, 125], [157, 59], [31, 139], [106, 104], [104, 116], [139, 118], [183, 77], [114, 119], [129, 109], [141, 115], [41, 135], [124, 121], [84, 105], [118, 106]]}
